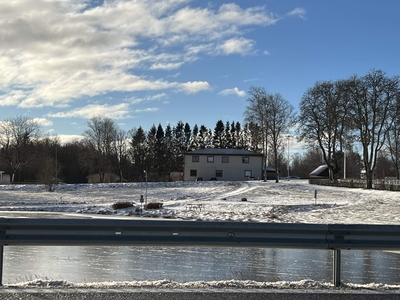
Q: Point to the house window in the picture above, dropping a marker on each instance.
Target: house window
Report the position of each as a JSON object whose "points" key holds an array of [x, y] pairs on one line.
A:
{"points": [[245, 160], [225, 159], [218, 173], [248, 173], [210, 159], [193, 173], [195, 158]]}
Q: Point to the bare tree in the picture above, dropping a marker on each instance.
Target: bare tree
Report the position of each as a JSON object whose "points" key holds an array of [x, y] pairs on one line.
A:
{"points": [[48, 172], [373, 110], [393, 141], [256, 113], [121, 150], [303, 164], [100, 140], [273, 115], [279, 119], [324, 120], [17, 136]]}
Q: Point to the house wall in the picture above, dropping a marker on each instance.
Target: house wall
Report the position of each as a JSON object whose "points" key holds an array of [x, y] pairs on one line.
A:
{"points": [[233, 170]]}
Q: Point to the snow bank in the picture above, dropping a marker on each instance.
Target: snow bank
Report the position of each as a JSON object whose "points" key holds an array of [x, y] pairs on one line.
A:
{"points": [[226, 284]]}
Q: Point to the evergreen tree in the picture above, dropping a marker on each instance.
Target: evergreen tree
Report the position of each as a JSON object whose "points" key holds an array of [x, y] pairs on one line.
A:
{"points": [[240, 140], [151, 154], [138, 153], [194, 143], [227, 136], [188, 137], [170, 150], [160, 166], [203, 137], [218, 140]]}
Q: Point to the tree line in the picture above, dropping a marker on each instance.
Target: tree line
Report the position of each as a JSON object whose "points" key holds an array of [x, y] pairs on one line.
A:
{"points": [[358, 111], [335, 119], [29, 156]]}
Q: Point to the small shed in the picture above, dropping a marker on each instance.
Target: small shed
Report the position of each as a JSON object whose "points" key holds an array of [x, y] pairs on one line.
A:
{"points": [[321, 172], [271, 173], [4, 178]]}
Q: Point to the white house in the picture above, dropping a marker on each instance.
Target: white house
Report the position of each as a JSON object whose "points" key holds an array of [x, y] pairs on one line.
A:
{"points": [[222, 164]]}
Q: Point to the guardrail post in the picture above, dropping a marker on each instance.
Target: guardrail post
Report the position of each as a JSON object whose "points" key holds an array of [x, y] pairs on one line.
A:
{"points": [[336, 267], [1, 264]]}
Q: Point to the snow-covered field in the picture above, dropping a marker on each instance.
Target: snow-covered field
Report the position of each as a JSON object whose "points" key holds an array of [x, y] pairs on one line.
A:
{"points": [[285, 202], [250, 201]]}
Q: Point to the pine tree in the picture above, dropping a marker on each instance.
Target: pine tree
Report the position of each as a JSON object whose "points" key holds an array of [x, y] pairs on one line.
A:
{"points": [[218, 141]]}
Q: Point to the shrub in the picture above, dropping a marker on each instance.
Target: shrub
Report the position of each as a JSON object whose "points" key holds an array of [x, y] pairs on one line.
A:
{"points": [[122, 204], [153, 205]]}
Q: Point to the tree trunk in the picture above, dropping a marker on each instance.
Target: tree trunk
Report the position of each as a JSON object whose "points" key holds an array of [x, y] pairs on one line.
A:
{"points": [[369, 179]]}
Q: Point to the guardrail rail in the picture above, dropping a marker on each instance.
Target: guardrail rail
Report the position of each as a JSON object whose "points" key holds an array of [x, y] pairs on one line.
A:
{"points": [[124, 232]]}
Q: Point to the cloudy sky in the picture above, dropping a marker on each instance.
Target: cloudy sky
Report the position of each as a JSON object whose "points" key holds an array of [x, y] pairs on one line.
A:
{"points": [[156, 62]]}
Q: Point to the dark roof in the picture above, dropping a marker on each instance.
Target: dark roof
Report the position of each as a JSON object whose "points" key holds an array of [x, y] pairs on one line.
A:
{"points": [[320, 172], [218, 151]]}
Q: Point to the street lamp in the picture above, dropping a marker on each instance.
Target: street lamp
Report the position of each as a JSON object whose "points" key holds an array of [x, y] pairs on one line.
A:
{"points": [[288, 157], [145, 197]]}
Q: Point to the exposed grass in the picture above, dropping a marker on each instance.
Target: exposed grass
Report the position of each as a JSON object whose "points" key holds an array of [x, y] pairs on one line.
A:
{"points": [[122, 204]]}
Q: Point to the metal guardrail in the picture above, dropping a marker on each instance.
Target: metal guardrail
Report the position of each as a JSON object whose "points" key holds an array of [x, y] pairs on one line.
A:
{"points": [[111, 232]]}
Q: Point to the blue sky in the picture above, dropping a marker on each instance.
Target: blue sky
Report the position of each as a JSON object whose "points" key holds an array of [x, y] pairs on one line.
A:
{"points": [[149, 62]]}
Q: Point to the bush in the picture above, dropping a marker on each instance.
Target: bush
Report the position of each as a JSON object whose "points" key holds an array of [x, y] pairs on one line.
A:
{"points": [[153, 205], [122, 204]]}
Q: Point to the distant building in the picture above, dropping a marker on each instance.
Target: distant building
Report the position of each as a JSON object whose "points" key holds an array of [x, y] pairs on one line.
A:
{"points": [[271, 173], [222, 164], [4, 178]]}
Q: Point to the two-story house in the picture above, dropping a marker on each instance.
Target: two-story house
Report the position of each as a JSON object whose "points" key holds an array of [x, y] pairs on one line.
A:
{"points": [[222, 164]]}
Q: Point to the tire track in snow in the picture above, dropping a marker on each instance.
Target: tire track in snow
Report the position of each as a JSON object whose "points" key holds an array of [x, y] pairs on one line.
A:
{"points": [[244, 187]]}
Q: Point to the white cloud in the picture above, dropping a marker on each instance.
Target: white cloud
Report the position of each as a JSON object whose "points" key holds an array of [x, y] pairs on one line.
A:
{"points": [[234, 91], [69, 138], [251, 79], [240, 46], [156, 97], [166, 66], [298, 12], [42, 121], [12, 98], [119, 111], [266, 52], [56, 52], [150, 109], [193, 87]]}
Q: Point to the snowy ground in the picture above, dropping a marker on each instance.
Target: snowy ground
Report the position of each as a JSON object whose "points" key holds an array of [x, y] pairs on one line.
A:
{"points": [[285, 202]]}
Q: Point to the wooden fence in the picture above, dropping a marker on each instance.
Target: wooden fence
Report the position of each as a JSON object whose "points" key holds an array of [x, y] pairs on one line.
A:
{"points": [[377, 184]]}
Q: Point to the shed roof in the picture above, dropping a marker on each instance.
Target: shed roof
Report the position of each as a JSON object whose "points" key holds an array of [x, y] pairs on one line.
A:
{"points": [[219, 151], [320, 172]]}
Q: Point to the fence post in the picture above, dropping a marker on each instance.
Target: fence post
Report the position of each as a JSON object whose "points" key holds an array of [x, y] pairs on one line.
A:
{"points": [[336, 267], [1, 264]]}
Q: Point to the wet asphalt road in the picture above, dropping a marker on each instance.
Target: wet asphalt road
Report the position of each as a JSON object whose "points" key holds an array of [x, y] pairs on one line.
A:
{"points": [[66, 294]]}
